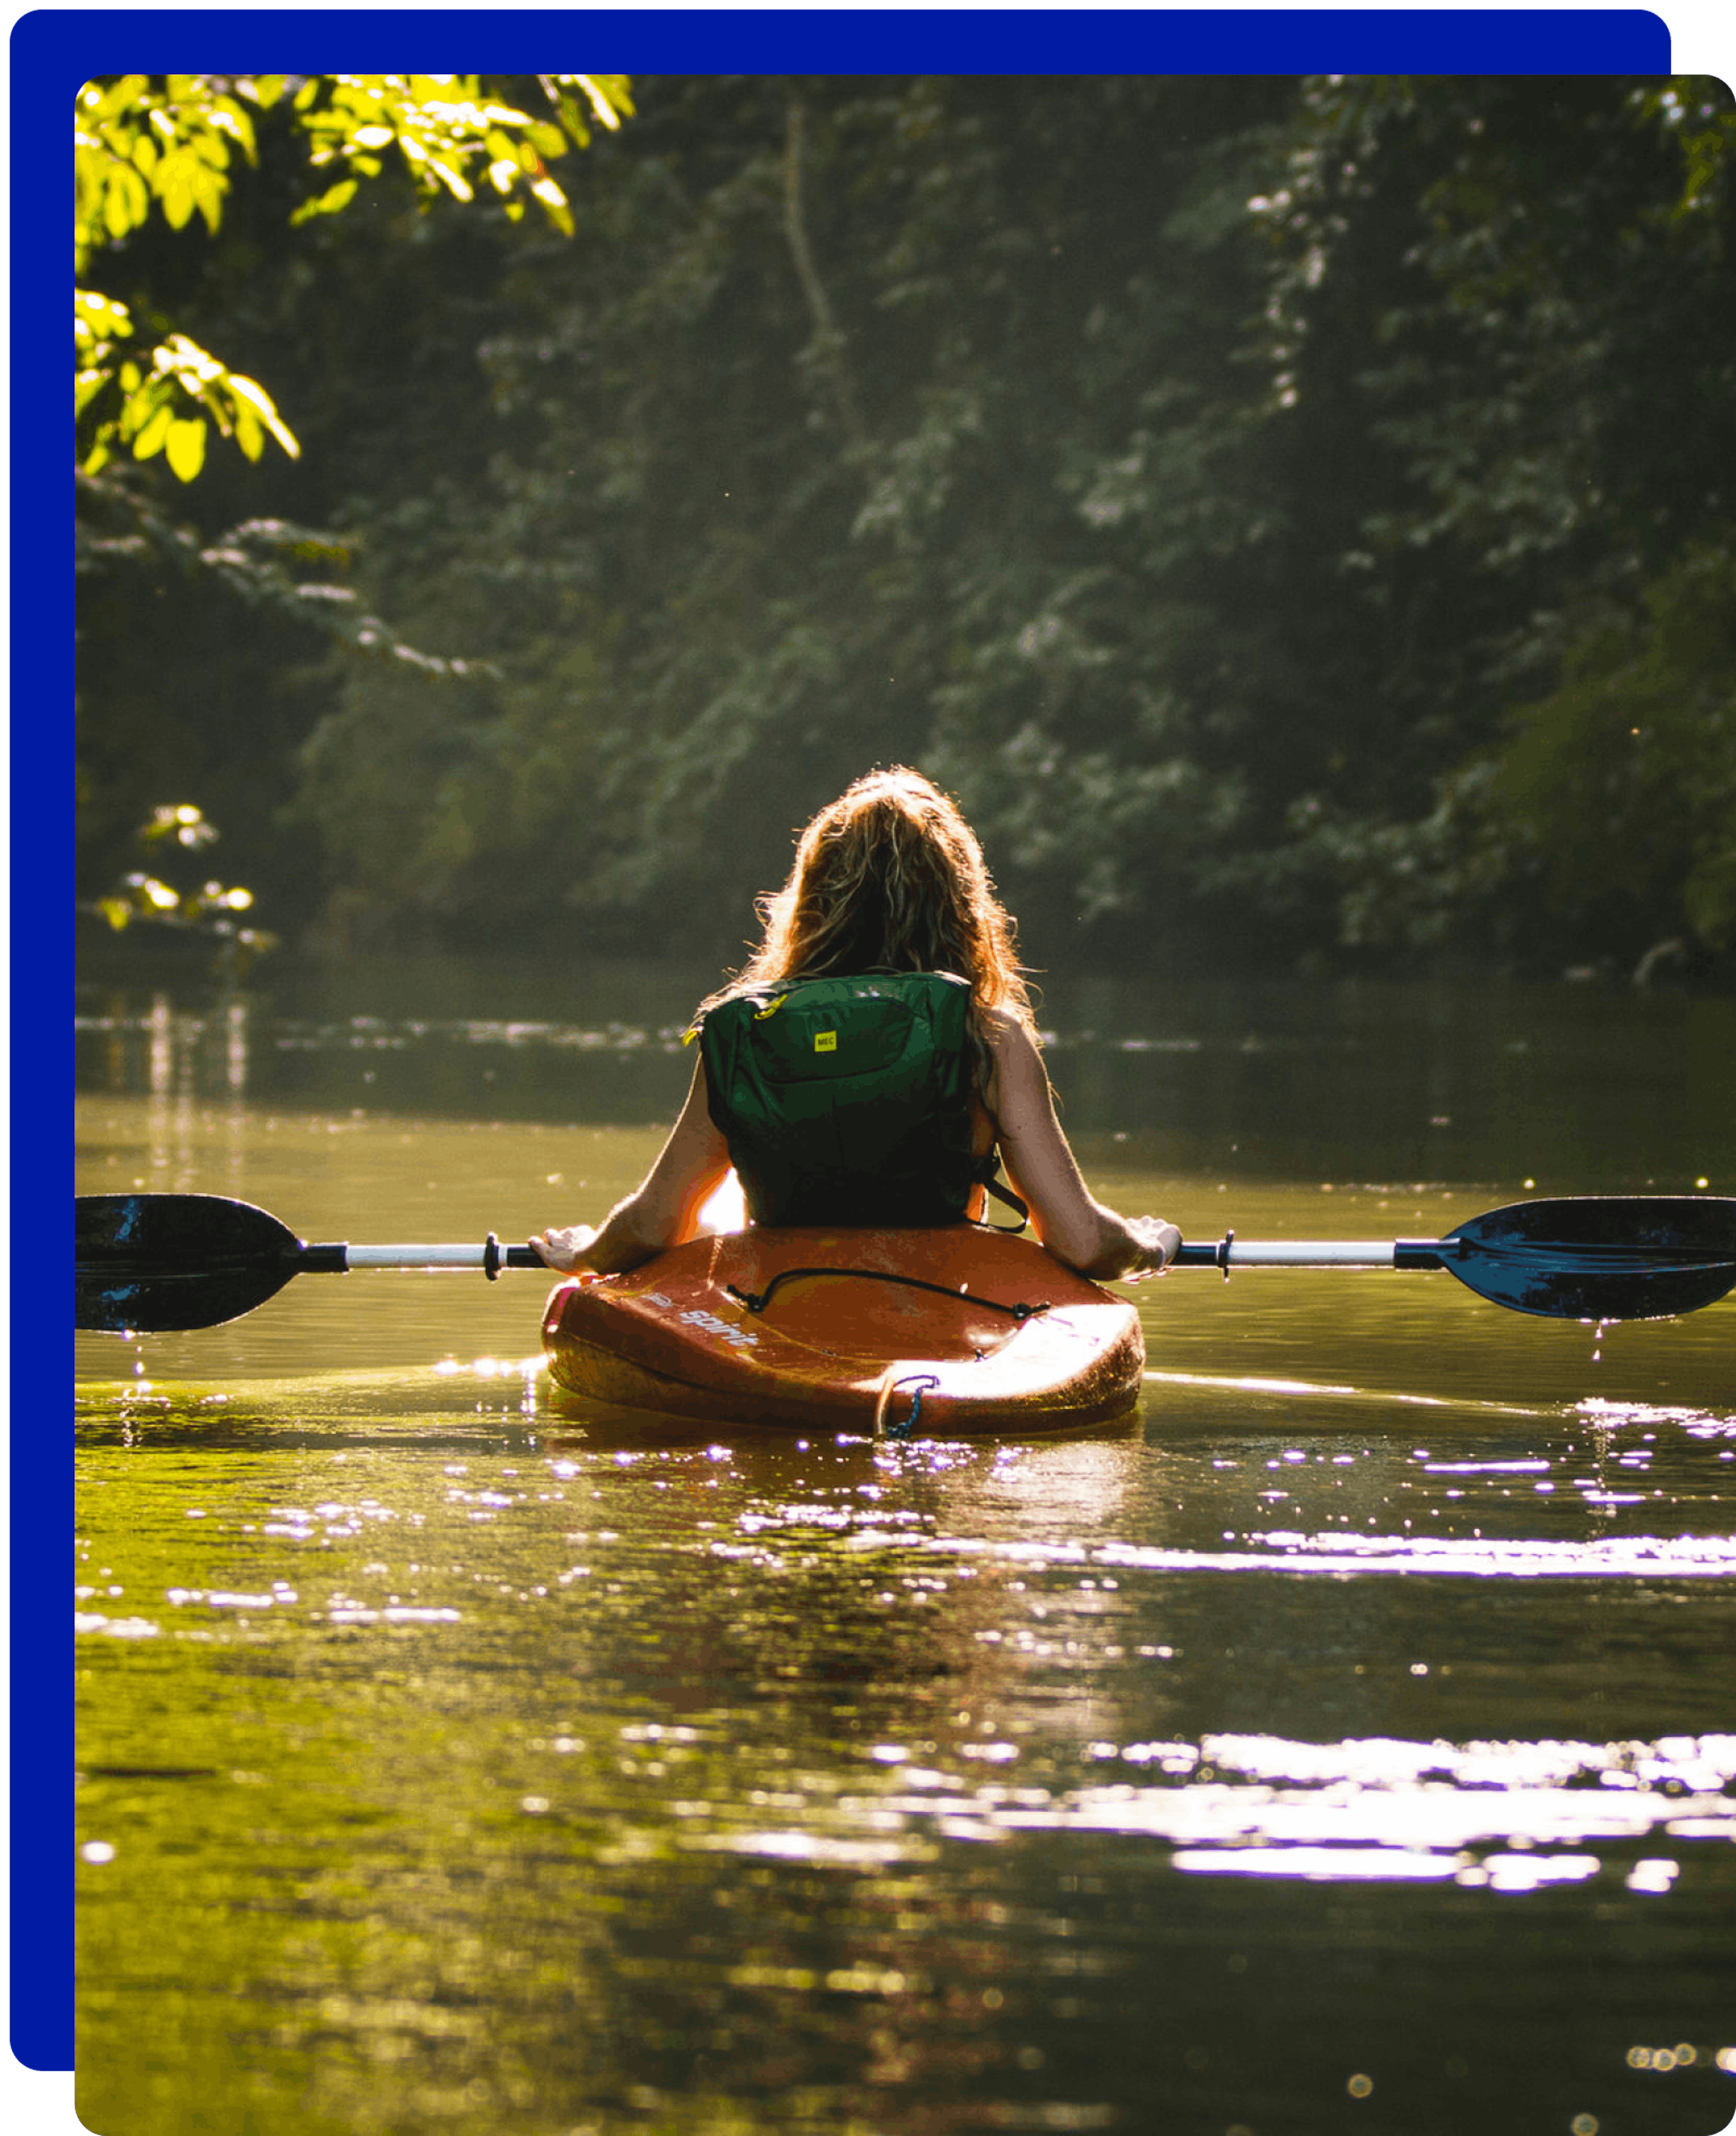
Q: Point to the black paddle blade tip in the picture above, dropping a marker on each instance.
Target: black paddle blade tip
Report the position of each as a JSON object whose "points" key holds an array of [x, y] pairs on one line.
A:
{"points": [[200, 1297], [161, 1263], [1600, 1257]]}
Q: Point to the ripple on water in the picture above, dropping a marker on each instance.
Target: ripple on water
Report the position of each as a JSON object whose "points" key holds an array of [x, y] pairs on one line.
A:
{"points": [[1603, 1558], [1506, 1817]]}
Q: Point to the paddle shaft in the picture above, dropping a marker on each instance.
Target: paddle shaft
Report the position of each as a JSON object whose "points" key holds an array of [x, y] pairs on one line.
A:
{"points": [[1230, 1252], [491, 1258], [1226, 1253], [176, 1261]]}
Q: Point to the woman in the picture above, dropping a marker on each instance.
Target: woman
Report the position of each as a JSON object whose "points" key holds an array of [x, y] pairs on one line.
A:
{"points": [[888, 883]]}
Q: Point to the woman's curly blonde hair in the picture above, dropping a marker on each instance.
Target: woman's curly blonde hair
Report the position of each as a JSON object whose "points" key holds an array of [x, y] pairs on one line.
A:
{"points": [[890, 877]]}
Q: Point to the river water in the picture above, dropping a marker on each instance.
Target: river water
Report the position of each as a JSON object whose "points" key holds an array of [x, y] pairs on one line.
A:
{"points": [[1346, 1743]]}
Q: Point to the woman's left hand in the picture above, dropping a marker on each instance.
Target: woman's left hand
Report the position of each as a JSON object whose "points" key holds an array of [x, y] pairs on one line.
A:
{"points": [[563, 1246]]}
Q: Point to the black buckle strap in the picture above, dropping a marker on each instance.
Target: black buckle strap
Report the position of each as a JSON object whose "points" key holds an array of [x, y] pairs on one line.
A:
{"points": [[756, 1301], [1021, 1210]]}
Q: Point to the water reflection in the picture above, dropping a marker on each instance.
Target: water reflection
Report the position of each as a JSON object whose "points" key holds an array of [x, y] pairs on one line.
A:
{"points": [[1575, 1089]]}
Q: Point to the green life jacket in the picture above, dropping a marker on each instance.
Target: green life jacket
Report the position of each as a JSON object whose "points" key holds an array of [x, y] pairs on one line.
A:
{"points": [[847, 1101]]}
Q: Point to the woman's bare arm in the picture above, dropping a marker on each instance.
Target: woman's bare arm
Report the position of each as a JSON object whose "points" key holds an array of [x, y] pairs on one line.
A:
{"points": [[662, 1211], [1073, 1226]]}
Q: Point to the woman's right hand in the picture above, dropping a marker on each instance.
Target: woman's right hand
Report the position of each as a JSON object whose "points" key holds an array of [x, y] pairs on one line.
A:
{"points": [[1159, 1242], [563, 1246]]}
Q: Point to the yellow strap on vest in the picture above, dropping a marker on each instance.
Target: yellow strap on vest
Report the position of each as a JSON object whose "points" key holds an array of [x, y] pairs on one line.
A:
{"points": [[771, 1008]]}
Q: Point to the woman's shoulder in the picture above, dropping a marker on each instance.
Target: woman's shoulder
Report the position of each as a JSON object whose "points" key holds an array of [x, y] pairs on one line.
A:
{"points": [[1017, 1078], [1008, 1031]]}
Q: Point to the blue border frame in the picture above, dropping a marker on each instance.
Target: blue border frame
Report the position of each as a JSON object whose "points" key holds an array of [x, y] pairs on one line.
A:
{"points": [[869, 40], [51, 52]]}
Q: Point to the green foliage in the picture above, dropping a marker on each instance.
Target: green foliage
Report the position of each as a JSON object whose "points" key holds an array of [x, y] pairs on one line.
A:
{"points": [[444, 127], [140, 141], [265, 564], [207, 908], [135, 144], [187, 189], [1623, 778], [763, 507], [1263, 503], [1498, 305], [1410, 886], [127, 404]]}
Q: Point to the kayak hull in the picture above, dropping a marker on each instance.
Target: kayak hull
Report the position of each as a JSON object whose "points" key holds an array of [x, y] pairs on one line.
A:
{"points": [[952, 1330]]}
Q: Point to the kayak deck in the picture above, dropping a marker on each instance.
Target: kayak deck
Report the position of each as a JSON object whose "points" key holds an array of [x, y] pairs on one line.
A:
{"points": [[955, 1329]]}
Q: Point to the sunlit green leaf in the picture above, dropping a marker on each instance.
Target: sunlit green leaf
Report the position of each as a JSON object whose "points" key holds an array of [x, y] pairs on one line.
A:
{"points": [[154, 436], [228, 118], [177, 199], [208, 198], [328, 202], [185, 446], [117, 217], [105, 314], [249, 389], [248, 434], [555, 200], [152, 395], [451, 178]]}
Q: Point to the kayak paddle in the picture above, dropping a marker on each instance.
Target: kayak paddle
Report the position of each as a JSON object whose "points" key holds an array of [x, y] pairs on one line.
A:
{"points": [[153, 1262], [1589, 1257]]}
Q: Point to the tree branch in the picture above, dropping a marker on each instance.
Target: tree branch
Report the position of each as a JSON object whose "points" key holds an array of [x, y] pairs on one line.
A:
{"points": [[829, 340]]}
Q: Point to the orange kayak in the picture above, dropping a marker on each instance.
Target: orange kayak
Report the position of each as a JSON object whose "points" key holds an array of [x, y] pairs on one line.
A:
{"points": [[901, 1332]]}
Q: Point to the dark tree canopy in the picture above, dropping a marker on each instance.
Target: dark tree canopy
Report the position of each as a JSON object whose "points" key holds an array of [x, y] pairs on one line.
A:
{"points": [[1295, 517]]}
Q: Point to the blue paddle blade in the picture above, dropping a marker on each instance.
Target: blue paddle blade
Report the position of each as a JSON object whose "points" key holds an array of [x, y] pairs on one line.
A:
{"points": [[147, 1263], [1599, 1257]]}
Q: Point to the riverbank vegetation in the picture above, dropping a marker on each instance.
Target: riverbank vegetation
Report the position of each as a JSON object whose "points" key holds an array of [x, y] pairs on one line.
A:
{"points": [[1297, 517]]}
